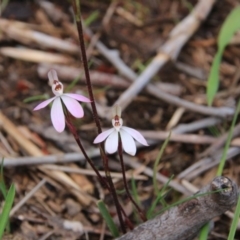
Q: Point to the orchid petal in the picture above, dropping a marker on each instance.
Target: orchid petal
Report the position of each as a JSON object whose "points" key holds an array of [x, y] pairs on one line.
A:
{"points": [[111, 143], [73, 106], [43, 104], [102, 136], [128, 143], [136, 135], [77, 97], [57, 115]]}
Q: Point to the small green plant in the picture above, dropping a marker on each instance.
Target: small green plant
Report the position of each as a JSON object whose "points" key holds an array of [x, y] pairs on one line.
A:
{"points": [[229, 27], [205, 229], [3, 5], [36, 98], [159, 194], [157, 162], [108, 219], [9, 198]]}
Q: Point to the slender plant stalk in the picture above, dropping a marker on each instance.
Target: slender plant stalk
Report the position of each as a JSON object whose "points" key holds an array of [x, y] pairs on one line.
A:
{"points": [[203, 232], [228, 142], [120, 152], [74, 133], [76, 8], [234, 224]]}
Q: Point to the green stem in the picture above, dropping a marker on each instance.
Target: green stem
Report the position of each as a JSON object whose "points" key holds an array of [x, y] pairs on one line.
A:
{"points": [[229, 138]]}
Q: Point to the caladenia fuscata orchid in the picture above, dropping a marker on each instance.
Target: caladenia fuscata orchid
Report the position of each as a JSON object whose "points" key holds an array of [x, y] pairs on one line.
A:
{"points": [[126, 134], [62, 101]]}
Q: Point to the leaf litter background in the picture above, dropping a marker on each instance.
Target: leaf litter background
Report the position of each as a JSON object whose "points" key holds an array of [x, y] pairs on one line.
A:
{"points": [[63, 204]]}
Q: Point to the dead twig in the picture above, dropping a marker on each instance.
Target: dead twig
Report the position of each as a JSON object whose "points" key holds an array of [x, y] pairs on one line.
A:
{"points": [[220, 142], [113, 57], [131, 162], [185, 138], [69, 73], [37, 56], [196, 125], [90, 172], [207, 163], [25, 35], [27, 197]]}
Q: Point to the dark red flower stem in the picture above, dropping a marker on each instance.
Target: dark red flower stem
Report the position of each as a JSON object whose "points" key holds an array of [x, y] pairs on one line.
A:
{"points": [[74, 132], [85, 63], [120, 152], [110, 185]]}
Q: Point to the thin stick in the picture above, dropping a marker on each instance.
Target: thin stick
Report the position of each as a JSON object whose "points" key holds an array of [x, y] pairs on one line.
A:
{"points": [[50, 159], [113, 57], [91, 172], [120, 152], [220, 142], [27, 197], [207, 163], [196, 125]]}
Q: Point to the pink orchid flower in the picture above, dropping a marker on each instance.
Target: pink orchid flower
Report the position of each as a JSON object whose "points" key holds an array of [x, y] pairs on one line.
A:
{"points": [[126, 134], [70, 100]]}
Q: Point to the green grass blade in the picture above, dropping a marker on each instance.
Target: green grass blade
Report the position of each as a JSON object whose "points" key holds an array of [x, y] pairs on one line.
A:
{"points": [[134, 191], [3, 188], [36, 98], [92, 18], [235, 221], [136, 198], [204, 232], [73, 83], [160, 196], [155, 186], [213, 78], [6, 209], [3, 5], [108, 219], [229, 27], [229, 138]]}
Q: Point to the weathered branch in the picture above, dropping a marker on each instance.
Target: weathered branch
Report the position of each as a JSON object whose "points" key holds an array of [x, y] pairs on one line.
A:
{"points": [[185, 220], [170, 50]]}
